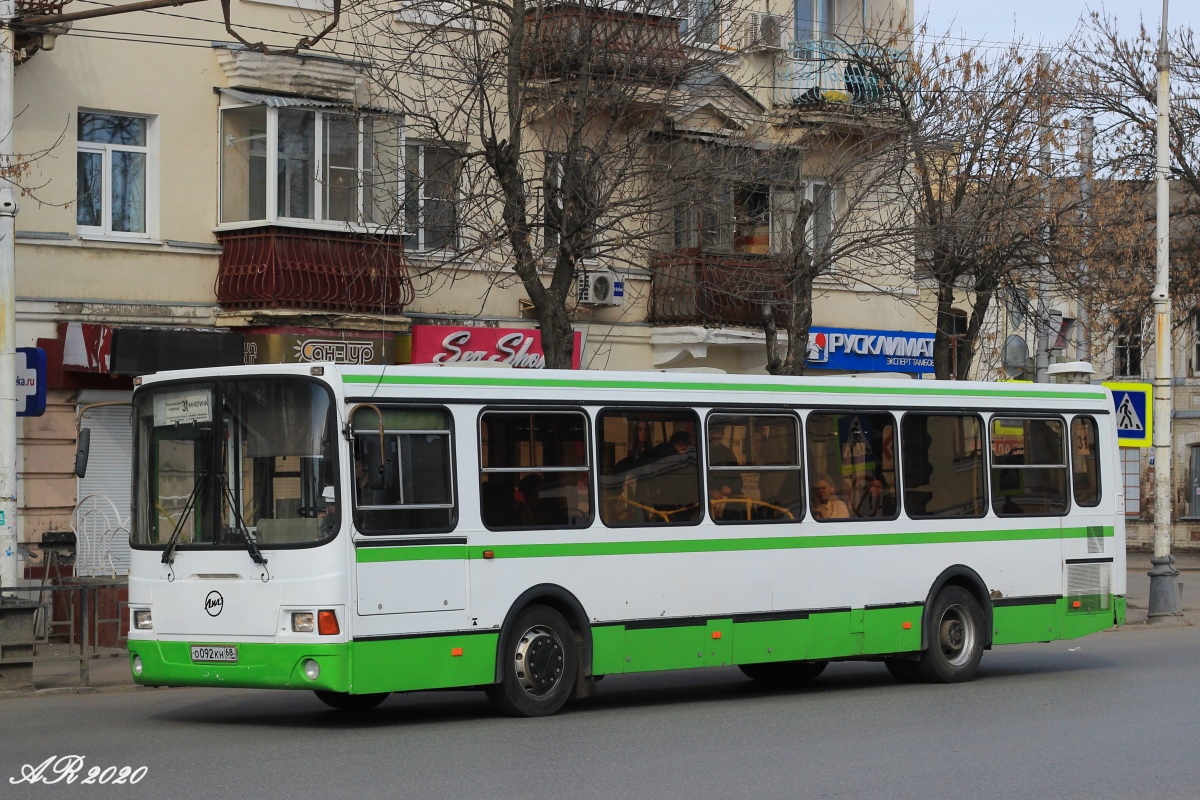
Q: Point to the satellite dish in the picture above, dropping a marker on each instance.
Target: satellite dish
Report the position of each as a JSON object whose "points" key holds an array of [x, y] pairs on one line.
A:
{"points": [[1015, 358]]}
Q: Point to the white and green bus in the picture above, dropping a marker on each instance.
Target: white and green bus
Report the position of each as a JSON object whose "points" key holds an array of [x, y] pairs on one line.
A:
{"points": [[358, 531]]}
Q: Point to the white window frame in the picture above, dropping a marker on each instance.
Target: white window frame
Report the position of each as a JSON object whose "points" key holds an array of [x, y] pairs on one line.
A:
{"points": [[1196, 343], [823, 15], [1128, 341], [318, 221], [809, 192], [417, 237], [1131, 478], [150, 190]]}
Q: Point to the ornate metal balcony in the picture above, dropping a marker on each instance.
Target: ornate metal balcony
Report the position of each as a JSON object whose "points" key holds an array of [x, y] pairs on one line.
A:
{"points": [[568, 39], [834, 77], [691, 287], [275, 267]]}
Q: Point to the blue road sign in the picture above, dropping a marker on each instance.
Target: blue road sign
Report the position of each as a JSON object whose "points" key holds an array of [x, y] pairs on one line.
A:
{"points": [[31, 381]]}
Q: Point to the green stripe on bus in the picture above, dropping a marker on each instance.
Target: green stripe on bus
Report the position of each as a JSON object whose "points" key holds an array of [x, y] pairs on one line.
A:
{"points": [[603, 383], [368, 555]]}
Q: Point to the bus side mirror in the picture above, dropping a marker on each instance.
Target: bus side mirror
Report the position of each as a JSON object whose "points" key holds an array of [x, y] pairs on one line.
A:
{"points": [[81, 452]]}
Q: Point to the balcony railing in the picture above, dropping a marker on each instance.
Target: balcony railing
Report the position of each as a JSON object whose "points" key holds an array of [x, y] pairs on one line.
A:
{"points": [[274, 267], [691, 287], [567, 40], [836, 77]]}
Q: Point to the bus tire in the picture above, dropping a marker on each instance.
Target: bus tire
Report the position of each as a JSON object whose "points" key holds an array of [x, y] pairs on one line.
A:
{"points": [[955, 638], [901, 670], [539, 662], [784, 672], [355, 703]]}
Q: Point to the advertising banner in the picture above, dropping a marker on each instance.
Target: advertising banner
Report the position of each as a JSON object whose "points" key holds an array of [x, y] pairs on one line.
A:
{"points": [[518, 347], [854, 350]]}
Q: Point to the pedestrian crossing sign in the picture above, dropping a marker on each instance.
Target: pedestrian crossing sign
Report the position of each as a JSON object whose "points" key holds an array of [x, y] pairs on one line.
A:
{"points": [[1133, 404]]}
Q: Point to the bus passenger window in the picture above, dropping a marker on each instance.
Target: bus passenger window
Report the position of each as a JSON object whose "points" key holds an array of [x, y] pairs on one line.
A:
{"points": [[1085, 462], [1029, 468], [403, 470], [754, 468], [536, 471], [648, 467], [852, 466], [944, 474]]}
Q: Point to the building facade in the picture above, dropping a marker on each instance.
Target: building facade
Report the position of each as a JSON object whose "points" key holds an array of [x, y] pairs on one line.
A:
{"points": [[187, 201]]}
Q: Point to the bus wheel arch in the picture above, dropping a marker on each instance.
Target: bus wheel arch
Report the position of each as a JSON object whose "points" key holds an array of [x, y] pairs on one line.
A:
{"points": [[565, 603], [965, 578]]}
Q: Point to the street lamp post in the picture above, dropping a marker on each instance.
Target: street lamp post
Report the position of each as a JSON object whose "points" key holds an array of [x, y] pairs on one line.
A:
{"points": [[1164, 592], [8, 327]]}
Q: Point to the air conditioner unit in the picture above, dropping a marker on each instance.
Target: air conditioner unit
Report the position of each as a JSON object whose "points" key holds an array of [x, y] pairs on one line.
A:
{"points": [[764, 32], [600, 288]]}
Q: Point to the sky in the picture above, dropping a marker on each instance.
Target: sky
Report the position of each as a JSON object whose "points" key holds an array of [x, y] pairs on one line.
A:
{"points": [[1041, 20]]}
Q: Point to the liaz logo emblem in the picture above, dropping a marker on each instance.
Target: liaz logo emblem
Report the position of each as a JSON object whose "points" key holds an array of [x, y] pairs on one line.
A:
{"points": [[214, 603]]}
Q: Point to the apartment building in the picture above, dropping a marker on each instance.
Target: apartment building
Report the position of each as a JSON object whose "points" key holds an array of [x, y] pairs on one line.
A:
{"points": [[189, 201]]}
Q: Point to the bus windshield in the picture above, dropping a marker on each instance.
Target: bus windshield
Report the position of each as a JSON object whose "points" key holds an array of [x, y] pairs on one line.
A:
{"points": [[232, 462]]}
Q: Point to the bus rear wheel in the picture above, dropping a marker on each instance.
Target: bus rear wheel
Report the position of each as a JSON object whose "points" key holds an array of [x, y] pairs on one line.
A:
{"points": [[784, 672], [344, 701], [955, 638], [538, 663]]}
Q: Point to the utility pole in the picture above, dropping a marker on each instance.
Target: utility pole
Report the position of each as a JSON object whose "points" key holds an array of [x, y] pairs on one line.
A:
{"points": [[1042, 357], [8, 312], [1164, 592], [1083, 333]]}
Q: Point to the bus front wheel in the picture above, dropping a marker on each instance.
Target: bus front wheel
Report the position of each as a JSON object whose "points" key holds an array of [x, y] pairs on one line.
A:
{"points": [[538, 665], [955, 638], [344, 701]]}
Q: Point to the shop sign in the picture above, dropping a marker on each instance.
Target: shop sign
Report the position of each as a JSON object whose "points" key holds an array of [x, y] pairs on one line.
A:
{"points": [[854, 350], [290, 348], [522, 348], [31, 382]]}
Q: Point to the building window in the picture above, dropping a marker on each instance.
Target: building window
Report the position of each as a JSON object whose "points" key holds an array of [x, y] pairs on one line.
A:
{"points": [[815, 22], [112, 162], [818, 234], [430, 197], [1131, 477], [552, 190], [1196, 343], [1194, 481], [329, 168], [701, 19], [1129, 349]]}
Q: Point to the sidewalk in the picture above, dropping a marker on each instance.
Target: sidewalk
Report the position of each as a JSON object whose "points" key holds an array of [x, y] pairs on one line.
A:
{"points": [[111, 672]]}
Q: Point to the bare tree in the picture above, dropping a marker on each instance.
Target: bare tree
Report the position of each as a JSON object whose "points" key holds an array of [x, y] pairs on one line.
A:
{"points": [[1113, 77], [531, 132]]}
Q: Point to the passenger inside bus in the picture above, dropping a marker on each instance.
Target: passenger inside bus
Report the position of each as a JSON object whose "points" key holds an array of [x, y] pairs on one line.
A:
{"points": [[825, 503]]}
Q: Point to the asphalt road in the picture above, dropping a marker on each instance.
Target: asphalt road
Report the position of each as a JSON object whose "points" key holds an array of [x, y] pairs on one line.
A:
{"points": [[1113, 715]]}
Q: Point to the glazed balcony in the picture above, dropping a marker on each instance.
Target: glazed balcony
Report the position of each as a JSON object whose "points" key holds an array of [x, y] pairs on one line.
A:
{"points": [[566, 40], [276, 267], [690, 287]]}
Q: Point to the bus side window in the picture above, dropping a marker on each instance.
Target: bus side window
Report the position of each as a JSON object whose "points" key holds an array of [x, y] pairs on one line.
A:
{"points": [[535, 470], [648, 470], [852, 466], [1029, 467], [944, 475], [1085, 462], [404, 477], [754, 468]]}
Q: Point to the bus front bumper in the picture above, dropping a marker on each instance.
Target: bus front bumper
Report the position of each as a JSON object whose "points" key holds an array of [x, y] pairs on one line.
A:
{"points": [[258, 665]]}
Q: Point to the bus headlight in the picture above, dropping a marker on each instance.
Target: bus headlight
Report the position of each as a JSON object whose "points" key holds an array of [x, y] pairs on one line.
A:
{"points": [[142, 620], [312, 670], [302, 621]]}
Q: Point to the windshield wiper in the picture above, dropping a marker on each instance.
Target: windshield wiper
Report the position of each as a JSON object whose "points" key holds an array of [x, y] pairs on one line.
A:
{"points": [[251, 547], [168, 556]]}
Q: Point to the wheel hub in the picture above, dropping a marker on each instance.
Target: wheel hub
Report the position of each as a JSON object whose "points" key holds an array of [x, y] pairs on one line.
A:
{"points": [[538, 661], [956, 635]]}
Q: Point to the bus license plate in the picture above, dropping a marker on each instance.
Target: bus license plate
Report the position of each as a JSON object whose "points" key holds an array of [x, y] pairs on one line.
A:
{"points": [[214, 653]]}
